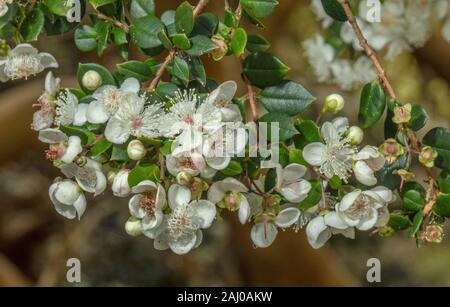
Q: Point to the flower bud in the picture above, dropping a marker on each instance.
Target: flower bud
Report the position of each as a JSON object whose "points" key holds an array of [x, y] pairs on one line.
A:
{"points": [[355, 135], [265, 218], [386, 231], [120, 185], [232, 201], [184, 178], [110, 176], [92, 80], [391, 149], [198, 186], [333, 104], [136, 150], [133, 226], [221, 49], [427, 156], [402, 114], [432, 234]]}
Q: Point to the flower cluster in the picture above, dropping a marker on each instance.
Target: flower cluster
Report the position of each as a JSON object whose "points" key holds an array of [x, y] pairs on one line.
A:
{"points": [[397, 26]]}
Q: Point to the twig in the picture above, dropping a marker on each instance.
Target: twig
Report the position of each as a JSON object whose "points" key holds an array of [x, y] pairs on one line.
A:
{"points": [[162, 167], [117, 23], [160, 72], [369, 51]]}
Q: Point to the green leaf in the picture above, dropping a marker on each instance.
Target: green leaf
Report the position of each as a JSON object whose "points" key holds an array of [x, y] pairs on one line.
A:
{"points": [[256, 42], [230, 19], [444, 181], [165, 40], [9, 15], [271, 180], [85, 135], [107, 78], [413, 200], [184, 18], [386, 176], [181, 41], [119, 152], [153, 64], [372, 104], [197, 71], [206, 24], [412, 185], [141, 8], [442, 206], [86, 38], [238, 42], [119, 36], [58, 7], [314, 196], [100, 147], [398, 221], [181, 69], [264, 69], [143, 172], [32, 25], [144, 32], [98, 3], [102, 28], [233, 169], [419, 117], [309, 133], [286, 127], [135, 69], [201, 45], [334, 9], [390, 128], [417, 222], [296, 156], [259, 8], [439, 139], [287, 97]]}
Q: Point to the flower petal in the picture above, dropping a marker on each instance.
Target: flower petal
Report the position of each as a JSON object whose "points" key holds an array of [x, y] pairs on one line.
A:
{"points": [[118, 131], [74, 148], [96, 114], [135, 208], [205, 211], [317, 232], [294, 171], [178, 196], [144, 186], [80, 115], [244, 210], [287, 217], [52, 136], [182, 247], [333, 219], [263, 234], [48, 60], [349, 199], [313, 153], [364, 173], [368, 222], [131, 85]]}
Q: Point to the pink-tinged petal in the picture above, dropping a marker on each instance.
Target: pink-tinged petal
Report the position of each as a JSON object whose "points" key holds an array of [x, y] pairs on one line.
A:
{"points": [[263, 234]]}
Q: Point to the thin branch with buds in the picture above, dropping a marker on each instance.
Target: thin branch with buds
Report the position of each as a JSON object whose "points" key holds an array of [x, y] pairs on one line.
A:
{"points": [[160, 72], [431, 190]]}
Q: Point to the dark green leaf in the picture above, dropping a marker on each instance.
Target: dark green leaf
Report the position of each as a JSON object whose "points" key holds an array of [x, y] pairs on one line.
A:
{"points": [[257, 43], [442, 206], [144, 32], [444, 181], [141, 8], [85, 135], [439, 139], [104, 73], [181, 69], [206, 24], [287, 97], [201, 45], [413, 200], [181, 41], [372, 104], [334, 9], [386, 176], [264, 69], [285, 125], [259, 8], [143, 172], [398, 221], [135, 69], [33, 24], [419, 117], [417, 222], [100, 147], [184, 18]]}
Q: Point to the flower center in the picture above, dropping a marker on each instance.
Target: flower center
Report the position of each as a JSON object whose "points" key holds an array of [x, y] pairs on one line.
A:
{"points": [[188, 120], [137, 122], [111, 99], [22, 66], [54, 153], [181, 223], [148, 204], [188, 163], [360, 207], [338, 159]]}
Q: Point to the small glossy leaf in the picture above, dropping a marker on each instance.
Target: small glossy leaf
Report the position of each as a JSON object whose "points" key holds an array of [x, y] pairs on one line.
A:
{"points": [[143, 172], [372, 104], [264, 69], [334, 9], [439, 139], [257, 43], [285, 125]]}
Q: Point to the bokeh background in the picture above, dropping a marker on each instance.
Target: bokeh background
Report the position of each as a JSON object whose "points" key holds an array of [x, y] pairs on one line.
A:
{"points": [[35, 242]]}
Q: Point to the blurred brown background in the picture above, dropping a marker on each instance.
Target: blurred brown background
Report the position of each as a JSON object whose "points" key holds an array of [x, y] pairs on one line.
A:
{"points": [[35, 242]]}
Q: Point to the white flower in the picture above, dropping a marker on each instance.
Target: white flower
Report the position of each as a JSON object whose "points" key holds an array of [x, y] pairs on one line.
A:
{"points": [[107, 100], [320, 56], [4, 7], [62, 148], [264, 233], [69, 111], [231, 191], [181, 229], [133, 119], [323, 226], [120, 185], [187, 119], [89, 177], [25, 61], [290, 182], [68, 199], [222, 98], [360, 208], [335, 156], [368, 161], [43, 118], [148, 203], [190, 162]]}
